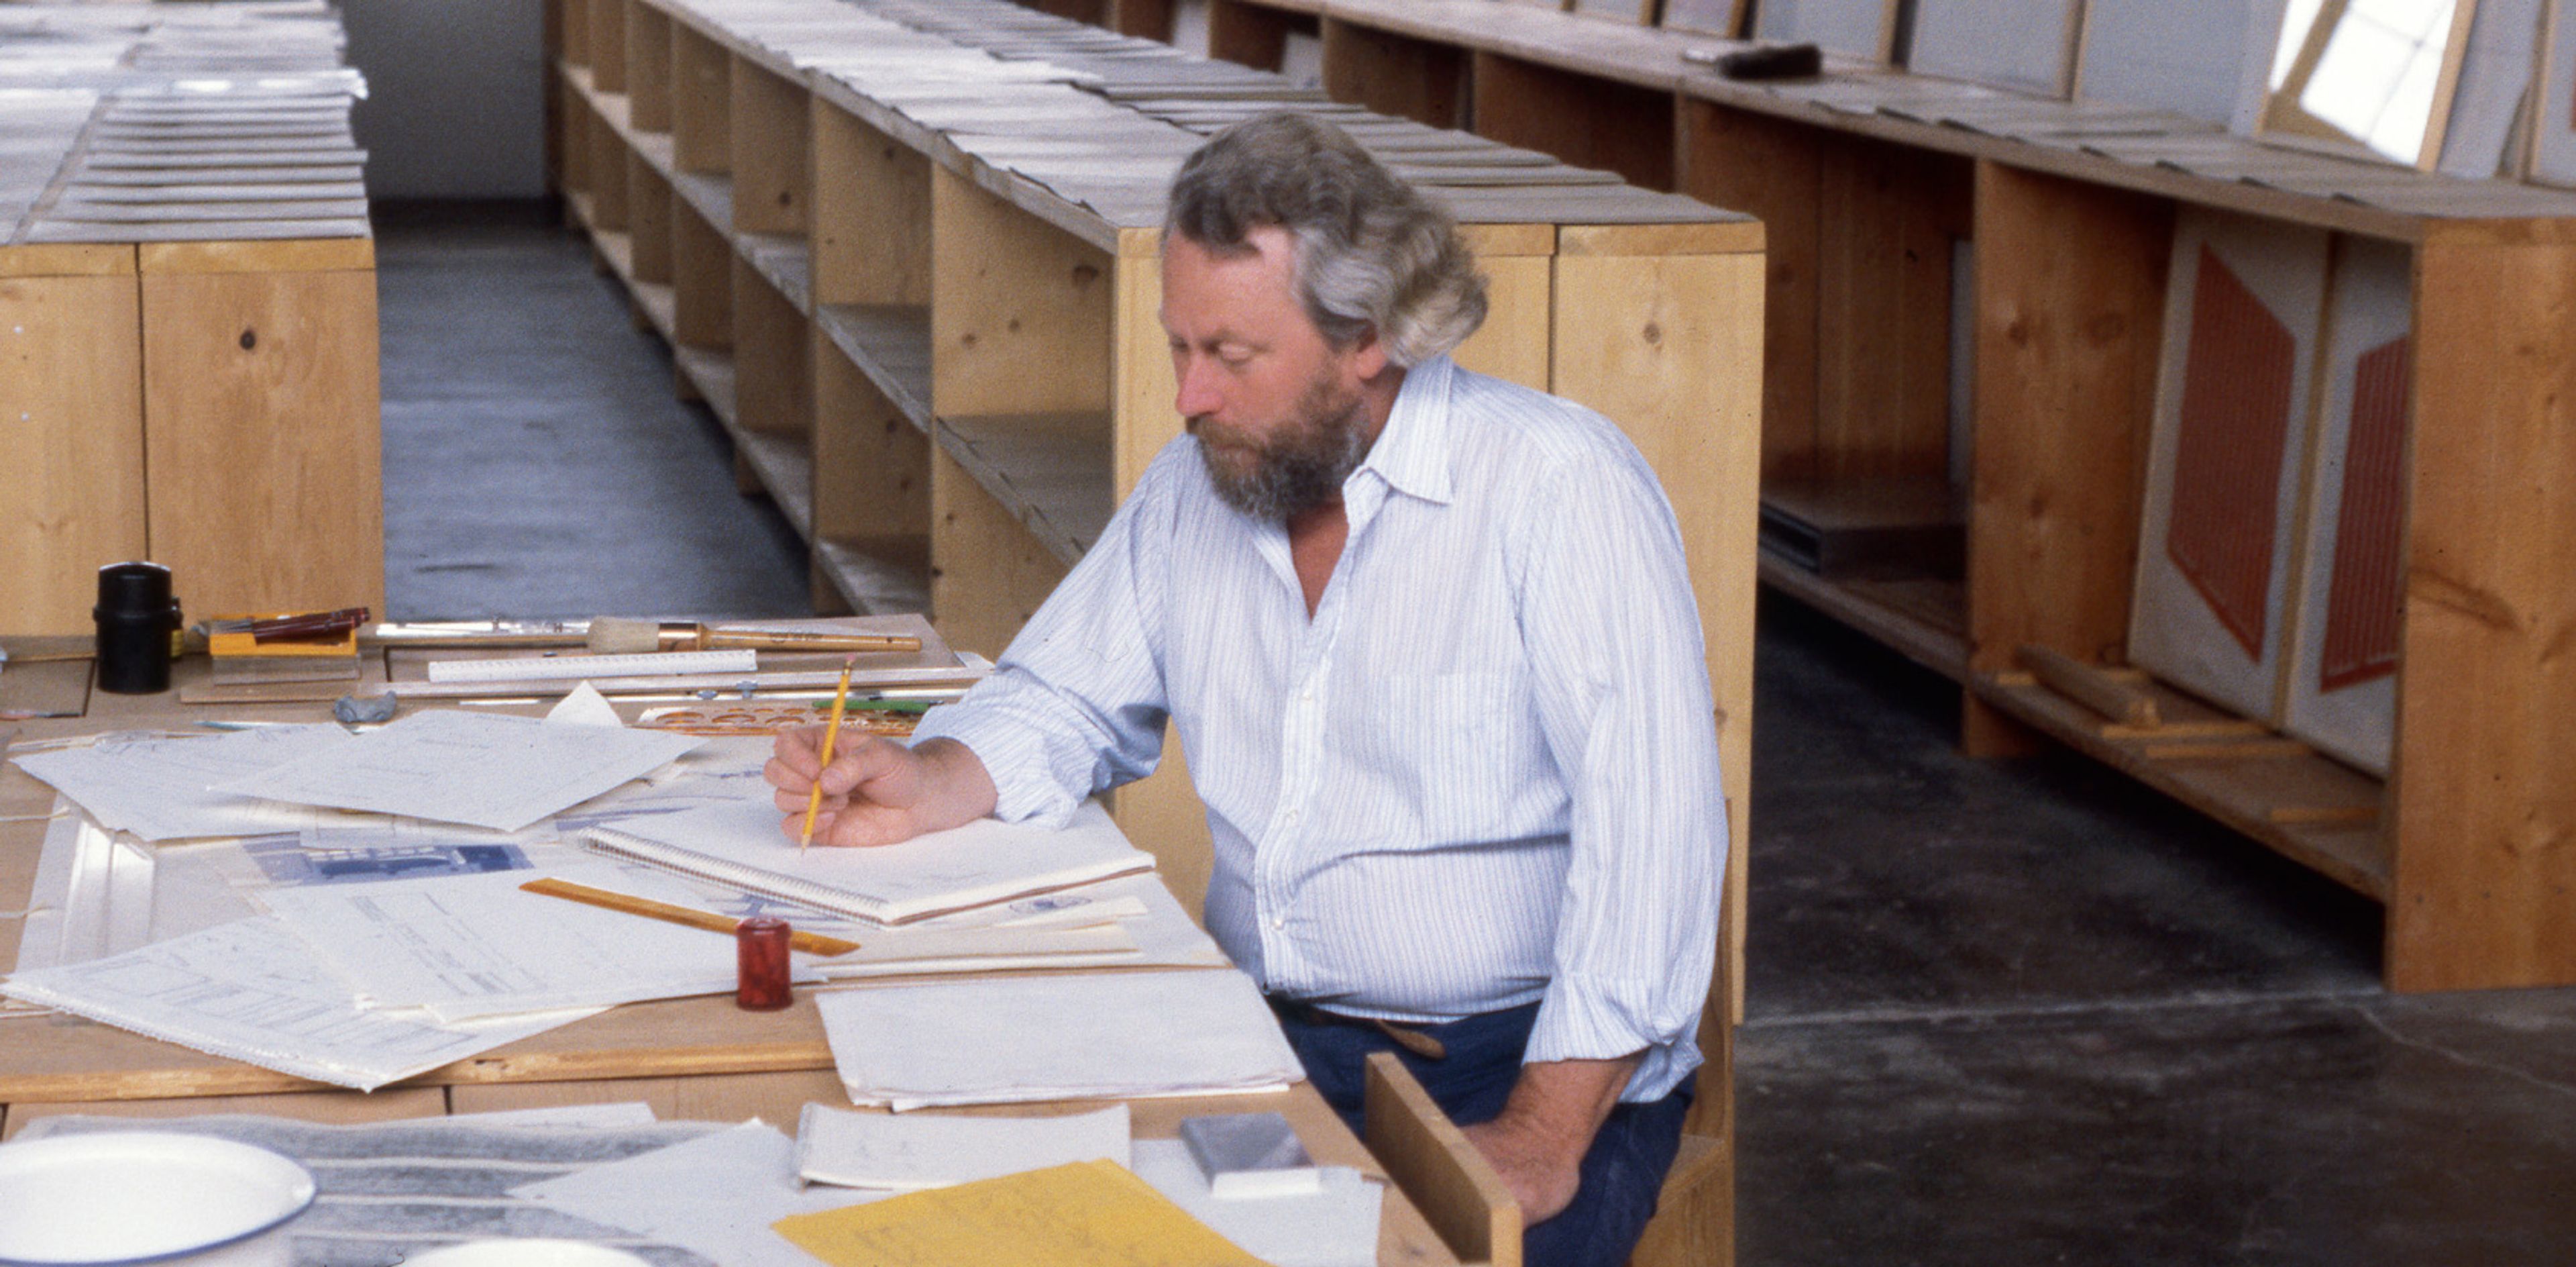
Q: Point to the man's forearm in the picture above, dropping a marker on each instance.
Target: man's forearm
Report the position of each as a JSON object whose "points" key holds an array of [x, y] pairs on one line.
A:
{"points": [[961, 786], [1538, 1141]]}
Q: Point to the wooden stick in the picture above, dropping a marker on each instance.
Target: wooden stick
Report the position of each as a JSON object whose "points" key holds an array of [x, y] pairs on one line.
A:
{"points": [[810, 943], [2089, 686], [840, 705], [713, 639]]}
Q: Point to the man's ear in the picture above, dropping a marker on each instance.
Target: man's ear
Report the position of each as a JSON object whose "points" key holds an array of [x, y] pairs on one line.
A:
{"points": [[1368, 356]]}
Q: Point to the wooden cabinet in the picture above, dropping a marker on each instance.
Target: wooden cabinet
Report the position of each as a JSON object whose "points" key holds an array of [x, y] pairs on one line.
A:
{"points": [[187, 319]]}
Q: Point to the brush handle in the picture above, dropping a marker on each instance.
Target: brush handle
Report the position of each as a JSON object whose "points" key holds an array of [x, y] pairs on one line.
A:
{"points": [[768, 640]]}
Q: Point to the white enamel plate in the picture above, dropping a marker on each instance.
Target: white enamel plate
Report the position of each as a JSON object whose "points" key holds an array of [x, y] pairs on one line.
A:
{"points": [[134, 1196]]}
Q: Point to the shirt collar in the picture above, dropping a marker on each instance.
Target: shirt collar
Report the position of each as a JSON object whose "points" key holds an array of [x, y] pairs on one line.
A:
{"points": [[1412, 452]]}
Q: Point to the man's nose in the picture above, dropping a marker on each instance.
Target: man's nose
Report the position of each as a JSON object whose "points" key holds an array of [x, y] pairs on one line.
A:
{"points": [[1197, 392]]}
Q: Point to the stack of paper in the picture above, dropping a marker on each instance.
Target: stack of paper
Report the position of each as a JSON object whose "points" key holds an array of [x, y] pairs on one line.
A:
{"points": [[930, 1150], [469, 947], [252, 991], [483, 769], [159, 787], [1333, 1226], [715, 1195], [1081, 1212], [985, 862], [1062, 1037]]}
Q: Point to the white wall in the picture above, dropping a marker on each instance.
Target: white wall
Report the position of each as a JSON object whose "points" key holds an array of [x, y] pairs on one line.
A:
{"points": [[455, 102]]}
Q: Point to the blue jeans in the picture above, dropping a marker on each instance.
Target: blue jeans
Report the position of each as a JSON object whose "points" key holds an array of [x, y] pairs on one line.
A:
{"points": [[1621, 1175]]}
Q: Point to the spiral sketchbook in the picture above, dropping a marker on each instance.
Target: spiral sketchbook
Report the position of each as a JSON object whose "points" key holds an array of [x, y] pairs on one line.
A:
{"points": [[739, 845]]}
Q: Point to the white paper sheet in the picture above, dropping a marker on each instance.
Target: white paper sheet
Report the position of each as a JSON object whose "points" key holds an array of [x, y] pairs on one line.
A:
{"points": [[161, 787], [254, 992], [900, 952], [930, 1150], [1058, 1037], [584, 706], [983, 862], [485, 769], [473, 946], [1336, 1227], [715, 1195]]}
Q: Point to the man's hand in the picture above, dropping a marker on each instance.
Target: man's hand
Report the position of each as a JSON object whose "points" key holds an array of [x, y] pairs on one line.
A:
{"points": [[1538, 1141], [877, 791]]}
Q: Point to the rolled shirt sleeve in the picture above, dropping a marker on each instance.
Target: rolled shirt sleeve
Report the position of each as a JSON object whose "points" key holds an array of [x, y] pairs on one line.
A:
{"points": [[1621, 682], [1076, 704]]}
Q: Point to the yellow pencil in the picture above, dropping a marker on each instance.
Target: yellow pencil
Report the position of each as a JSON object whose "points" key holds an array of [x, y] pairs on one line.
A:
{"points": [[840, 704]]}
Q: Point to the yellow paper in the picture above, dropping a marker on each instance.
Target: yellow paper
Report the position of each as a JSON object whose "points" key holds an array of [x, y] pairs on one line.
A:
{"points": [[1084, 1214]]}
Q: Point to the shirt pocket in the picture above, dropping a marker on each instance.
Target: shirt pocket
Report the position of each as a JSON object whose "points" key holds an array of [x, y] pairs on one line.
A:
{"points": [[1454, 750]]}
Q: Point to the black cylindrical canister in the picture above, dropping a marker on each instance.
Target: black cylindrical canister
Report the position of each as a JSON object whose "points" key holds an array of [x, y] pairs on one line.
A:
{"points": [[136, 618]]}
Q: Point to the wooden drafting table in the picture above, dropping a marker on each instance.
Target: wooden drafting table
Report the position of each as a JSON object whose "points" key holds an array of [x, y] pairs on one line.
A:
{"points": [[688, 1058]]}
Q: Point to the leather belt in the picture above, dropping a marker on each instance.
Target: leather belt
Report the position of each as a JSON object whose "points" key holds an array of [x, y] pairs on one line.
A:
{"points": [[1404, 1036]]}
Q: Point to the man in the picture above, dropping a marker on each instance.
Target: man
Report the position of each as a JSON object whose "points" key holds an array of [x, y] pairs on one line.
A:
{"points": [[1431, 646]]}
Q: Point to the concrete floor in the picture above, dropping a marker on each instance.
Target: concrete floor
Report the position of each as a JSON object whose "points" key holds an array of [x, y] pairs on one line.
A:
{"points": [[2011, 1012], [536, 462]]}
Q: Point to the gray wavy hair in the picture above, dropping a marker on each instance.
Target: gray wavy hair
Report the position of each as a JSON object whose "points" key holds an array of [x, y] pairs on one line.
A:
{"points": [[1371, 253]]}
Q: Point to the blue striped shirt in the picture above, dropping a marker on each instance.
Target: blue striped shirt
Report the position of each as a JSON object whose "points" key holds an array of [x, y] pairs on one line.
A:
{"points": [[1484, 773]]}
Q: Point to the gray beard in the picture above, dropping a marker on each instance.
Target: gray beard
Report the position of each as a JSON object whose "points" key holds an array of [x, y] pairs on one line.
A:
{"points": [[1296, 473]]}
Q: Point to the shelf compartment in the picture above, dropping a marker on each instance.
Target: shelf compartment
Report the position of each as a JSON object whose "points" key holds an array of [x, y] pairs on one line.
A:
{"points": [[785, 471], [710, 196], [573, 32], [709, 372], [767, 119], [701, 105], [1256, 34], [607, 45], [871, 490], [648, 67], [648, 212], [871, 221], [1579, 119], [1920, 618], [1051, 472], [890, 344], [1841, 528], [702, 277], [771, 355], [659, 304], [988, 572], [608, 185], [784, 262], [882, 577], [571, 131], [1011, 292], [1395, 74]]}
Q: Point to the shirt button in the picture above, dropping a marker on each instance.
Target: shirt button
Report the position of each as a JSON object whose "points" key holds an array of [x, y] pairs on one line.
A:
{"points": [[1278, 921], [1290, 816]]}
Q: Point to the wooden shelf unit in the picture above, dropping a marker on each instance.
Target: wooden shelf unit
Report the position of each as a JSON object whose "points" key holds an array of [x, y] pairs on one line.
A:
{"points": [[1865, 178], [187, 316]]}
